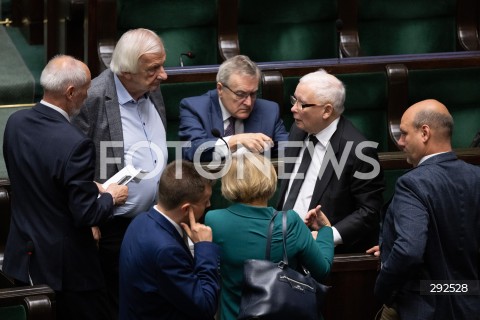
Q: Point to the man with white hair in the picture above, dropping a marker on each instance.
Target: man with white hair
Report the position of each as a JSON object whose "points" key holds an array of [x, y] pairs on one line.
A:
{"points": [[343, 177], [125, 117]]}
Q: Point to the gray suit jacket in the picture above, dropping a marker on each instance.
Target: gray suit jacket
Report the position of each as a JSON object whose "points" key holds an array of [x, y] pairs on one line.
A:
{"points": [[100, 120]]}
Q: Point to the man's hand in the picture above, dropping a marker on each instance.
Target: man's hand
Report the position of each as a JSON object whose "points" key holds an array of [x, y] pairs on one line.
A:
{"points": [[96, 234], [316, 219], [100, 187], [375, 250], [118, 192], [196, 231], [254, 142]]}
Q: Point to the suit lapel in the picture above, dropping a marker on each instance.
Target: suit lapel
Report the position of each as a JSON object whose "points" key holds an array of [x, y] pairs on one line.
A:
{"points": [[114, 120], [253, 123], [169, 228], [157, 100], [215, 113], [296, 135], [327, 167]]}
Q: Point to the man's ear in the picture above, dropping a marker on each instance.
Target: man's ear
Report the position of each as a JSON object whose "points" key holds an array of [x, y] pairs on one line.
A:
{"points": [[184, 208], [70, 92], [425, 129], [327, 111]]}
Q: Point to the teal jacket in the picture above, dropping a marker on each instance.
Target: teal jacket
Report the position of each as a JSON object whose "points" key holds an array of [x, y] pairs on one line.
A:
{"points": [[241, 232]]}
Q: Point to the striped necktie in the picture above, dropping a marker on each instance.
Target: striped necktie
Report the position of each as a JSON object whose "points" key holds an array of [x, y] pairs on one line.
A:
{"points": [[230, 130]]}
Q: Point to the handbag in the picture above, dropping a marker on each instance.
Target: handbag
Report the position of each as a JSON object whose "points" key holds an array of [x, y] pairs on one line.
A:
{"points": [[276, 291]]}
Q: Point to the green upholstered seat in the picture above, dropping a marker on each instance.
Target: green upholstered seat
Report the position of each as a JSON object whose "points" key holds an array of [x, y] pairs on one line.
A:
{"points": [[26, 303], [406, 26], [278, 30], [173, 93], [13, 313], [391, 177], [17, 83], [5, 112], [459, 90], [184, 25]]}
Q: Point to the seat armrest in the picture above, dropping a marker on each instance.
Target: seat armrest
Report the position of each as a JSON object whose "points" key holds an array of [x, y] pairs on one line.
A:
{"points": [[467, 24], [347, 28], [397, 75], [227, 16]]}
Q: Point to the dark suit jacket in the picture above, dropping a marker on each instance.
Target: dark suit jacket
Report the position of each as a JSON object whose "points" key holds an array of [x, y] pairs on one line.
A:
{"points": [[50, 164], [100, 119], [199, 115], [431, 231], [159, 279], [351, 204]]}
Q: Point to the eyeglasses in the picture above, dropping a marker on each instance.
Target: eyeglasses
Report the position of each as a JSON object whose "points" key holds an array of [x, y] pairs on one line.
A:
{"points": [[294, 100], [241, 95]]}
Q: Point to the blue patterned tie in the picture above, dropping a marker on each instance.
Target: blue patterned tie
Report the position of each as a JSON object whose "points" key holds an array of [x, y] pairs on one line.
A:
{"points": [[230, 128]]}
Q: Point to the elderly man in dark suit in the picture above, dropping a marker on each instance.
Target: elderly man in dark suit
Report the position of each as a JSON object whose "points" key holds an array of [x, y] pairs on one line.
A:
{"points": [[234, 111], [343, 176], [430, 239], [125, 117], [55, 202]]}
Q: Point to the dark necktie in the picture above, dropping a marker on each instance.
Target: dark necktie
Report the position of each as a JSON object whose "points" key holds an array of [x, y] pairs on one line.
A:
{"points": [[185, 239], [300, 176], [230, 130]]}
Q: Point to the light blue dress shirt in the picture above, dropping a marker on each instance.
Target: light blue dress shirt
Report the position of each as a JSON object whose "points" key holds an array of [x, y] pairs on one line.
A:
{"points": [[145, 148]]}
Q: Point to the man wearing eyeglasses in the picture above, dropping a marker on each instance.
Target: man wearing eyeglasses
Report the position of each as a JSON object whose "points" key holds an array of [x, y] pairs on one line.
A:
{"points": [[233, 113], [340, 174]]}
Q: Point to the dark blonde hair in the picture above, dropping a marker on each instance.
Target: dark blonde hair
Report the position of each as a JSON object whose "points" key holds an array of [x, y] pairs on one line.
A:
{"points": [[179, 183], [251, 177]]}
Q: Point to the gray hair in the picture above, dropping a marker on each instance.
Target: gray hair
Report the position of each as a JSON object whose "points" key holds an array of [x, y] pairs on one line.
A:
{"points": [[131, 46], [61, 72], [435, 120], [237, 65], [327, 88]]}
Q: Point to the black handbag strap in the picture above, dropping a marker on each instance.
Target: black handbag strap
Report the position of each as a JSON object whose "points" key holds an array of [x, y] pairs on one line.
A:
{"points": [[284, 234]]}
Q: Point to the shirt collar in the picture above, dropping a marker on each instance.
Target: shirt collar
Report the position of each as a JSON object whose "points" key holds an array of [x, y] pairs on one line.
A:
{"points": [[123, 96], [54, 107], [326, 134], [225, 113], [176, 225]]}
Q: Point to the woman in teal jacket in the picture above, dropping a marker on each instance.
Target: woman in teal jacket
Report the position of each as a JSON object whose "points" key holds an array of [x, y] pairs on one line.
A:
{"points": [[241, 230]]}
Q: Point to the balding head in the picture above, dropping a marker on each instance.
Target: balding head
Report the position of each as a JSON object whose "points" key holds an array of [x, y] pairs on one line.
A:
{"points": [[426, 129], [65, 81]]}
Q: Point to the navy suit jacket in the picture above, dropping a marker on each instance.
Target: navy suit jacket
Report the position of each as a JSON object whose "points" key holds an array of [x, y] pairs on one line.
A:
{"points": [[51, 165], [431, 232], [351, 204], [200, 114], [159, 278]]}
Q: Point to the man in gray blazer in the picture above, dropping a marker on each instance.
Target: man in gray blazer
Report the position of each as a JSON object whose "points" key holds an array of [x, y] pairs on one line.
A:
{"points": [[125, 117]]}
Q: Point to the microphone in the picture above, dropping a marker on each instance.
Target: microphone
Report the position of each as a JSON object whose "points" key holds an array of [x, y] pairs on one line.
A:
{"points": [[216, 134], [188, 54], [30, 248], [339, 26]]}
